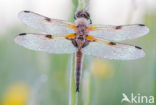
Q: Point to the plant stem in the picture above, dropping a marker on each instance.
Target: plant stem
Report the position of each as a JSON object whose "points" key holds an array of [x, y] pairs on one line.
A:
{"points": [[83, 4], [72, 92], [88, 89]]}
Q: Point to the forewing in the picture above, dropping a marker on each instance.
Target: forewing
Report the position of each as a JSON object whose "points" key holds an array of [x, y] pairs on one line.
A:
{"points": [[118, 33], [45, 43], [112, 50], [45, 24]]}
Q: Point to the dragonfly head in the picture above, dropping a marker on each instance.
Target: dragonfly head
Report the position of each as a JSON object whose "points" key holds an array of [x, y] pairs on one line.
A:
{"points": [[82, 14]]}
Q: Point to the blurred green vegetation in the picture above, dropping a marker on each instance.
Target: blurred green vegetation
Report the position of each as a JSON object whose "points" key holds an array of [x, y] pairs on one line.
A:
{"points": [[21, 65]]}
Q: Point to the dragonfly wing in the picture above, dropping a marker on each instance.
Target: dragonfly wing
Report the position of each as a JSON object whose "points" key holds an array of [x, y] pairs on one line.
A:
{"points": [[118, 33], [112, 50], [46, 43], [45, 24]]}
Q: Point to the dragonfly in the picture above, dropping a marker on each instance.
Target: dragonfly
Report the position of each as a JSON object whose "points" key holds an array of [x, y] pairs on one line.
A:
{"points": [[80, 38]]}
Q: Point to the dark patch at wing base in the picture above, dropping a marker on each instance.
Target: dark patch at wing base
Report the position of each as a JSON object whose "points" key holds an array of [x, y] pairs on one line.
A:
{"points": [[74, 43], [85, 44]]}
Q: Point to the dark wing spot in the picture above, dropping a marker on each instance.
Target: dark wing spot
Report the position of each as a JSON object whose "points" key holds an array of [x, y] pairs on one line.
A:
{"points": [[112, 43], [141, 24], [27, 11], [49, 36], [138, 47], [48, 19], [22, 34], [118, 27]]}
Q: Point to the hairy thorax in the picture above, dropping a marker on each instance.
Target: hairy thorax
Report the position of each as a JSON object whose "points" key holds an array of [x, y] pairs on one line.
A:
{"points": [[81, 32]]}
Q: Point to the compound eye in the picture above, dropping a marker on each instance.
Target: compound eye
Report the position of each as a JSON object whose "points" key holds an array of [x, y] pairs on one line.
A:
{"points": [[85, 16], [82, 13], [77, 15], [88, 15]]}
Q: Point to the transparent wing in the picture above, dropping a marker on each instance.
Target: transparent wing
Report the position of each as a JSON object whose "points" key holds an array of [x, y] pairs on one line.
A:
{"points": [[112, 50], [45, 43], [45, 24], [118, 33]]}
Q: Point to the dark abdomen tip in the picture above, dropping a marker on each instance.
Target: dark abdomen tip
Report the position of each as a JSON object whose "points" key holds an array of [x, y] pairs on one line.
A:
{"points": [[77, 89]]}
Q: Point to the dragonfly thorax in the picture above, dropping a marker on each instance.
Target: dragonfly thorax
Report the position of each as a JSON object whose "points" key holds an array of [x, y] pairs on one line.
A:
{"points": [[81, 21], [81, 32]]}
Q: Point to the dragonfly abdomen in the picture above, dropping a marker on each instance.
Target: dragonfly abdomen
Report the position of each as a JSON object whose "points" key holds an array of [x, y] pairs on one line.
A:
{"points": [[78, 69]]}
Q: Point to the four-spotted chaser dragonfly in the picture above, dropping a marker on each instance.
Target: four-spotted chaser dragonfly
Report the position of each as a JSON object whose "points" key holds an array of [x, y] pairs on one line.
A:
{"points": [[81, 38]]}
